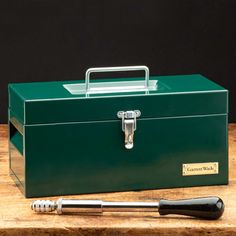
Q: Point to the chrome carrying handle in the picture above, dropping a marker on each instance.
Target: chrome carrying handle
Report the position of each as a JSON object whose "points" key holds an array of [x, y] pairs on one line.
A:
{"points": [[115, 69]]}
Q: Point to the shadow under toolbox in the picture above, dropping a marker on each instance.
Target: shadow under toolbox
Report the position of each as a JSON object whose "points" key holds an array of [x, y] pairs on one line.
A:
{"points": [[73, 137]]}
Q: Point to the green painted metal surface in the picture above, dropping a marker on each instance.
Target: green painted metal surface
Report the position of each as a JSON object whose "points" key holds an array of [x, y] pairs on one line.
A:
{"points": [[74, 144]]}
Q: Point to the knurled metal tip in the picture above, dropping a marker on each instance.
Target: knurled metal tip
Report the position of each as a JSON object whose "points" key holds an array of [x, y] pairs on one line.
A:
{"points": [[43, 206]]}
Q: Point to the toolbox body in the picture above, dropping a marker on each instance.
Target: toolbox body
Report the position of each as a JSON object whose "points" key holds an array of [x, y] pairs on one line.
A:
{"points": [[63, 143]]}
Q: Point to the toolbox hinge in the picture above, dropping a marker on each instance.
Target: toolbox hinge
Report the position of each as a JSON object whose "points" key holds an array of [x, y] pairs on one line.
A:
{"points": [[129, 125]]}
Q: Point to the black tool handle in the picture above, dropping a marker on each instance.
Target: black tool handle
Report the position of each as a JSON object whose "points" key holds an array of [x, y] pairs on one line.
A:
{"points": [[210, 208]]}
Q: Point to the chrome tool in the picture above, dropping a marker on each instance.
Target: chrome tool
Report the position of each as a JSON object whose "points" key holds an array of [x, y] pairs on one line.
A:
{"points": [[206, 207]]}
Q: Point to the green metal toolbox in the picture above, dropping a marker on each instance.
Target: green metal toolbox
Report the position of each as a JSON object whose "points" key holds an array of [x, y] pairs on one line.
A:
{"points": [[75, 137]]}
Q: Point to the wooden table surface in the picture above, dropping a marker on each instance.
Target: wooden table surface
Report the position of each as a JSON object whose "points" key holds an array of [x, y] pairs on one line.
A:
{"points": [[16, 217]]}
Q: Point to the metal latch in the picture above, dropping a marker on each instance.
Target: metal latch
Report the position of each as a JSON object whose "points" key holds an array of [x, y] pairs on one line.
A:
{"points": [[129, 125]]}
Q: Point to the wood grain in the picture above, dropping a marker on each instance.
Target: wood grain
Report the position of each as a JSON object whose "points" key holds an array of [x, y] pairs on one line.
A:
{"points": [[16, 217]]}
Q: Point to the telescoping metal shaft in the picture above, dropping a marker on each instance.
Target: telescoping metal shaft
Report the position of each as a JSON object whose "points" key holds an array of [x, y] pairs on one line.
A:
{"points": [[207, 207]]}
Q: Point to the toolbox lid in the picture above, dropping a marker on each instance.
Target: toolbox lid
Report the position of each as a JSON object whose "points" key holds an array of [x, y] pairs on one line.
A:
{"points": [[167, 96]]}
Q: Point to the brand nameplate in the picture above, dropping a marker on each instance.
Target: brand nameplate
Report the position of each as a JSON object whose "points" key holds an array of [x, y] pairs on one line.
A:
{"points": [[207, 168]]}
